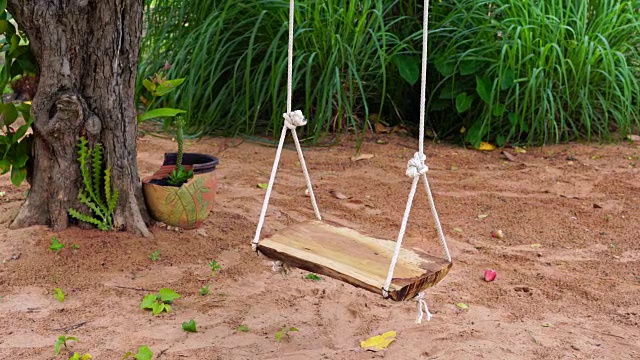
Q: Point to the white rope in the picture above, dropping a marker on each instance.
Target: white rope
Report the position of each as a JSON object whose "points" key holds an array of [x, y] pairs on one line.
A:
{"points": [[416, 168], [423, 308], [423, 88], [403, 228], [443, 241], [416, 165], [292, 119]]}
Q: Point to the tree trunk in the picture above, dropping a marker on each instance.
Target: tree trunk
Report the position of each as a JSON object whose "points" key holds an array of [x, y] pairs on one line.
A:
{"points": [[87, 53]]}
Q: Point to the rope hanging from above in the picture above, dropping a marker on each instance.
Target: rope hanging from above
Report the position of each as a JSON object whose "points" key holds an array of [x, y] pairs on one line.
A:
{"points": [[292, 119], [417, 169]]}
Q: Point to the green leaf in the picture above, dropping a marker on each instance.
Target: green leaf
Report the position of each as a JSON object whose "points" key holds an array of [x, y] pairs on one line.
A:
{"points": [[463, 102], [144, 353], [168, 295], [507, 79], [58, 294], [149, 85], [445, 67], [483, 87], [155, 256], [157, 308], [57, 344], [243, 328], [500, 140], [148, 301], [25, 110], [189, 326], [293, 329], [463, 306], [5, 166], [10, 113], [157, 113], [279, 335], [204, 290], [547, 325], [4, 24], [56, 245], [20, 160], [498, 110], [469, 67], [18, 175], [167, 86], [22, 130], [313, 277], [408, 67], [263, 185]]}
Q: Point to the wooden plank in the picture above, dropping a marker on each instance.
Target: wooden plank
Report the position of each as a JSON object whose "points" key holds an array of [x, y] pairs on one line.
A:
{"points": [[359, 260]]}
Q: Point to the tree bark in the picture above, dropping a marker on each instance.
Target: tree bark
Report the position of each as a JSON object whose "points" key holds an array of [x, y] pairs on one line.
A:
{"points": [[87, 54]]}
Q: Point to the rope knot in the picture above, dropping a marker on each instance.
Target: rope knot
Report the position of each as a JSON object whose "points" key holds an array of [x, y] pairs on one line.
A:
{"points": [[423, 309], [294, 119], [416, 165]]}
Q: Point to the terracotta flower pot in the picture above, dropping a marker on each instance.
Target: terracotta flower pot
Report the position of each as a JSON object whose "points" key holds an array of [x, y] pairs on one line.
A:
{"points": [[186, 206]]}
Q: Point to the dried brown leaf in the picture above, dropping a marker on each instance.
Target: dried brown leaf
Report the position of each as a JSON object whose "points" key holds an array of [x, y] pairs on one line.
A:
{"points": [[361, 157]]}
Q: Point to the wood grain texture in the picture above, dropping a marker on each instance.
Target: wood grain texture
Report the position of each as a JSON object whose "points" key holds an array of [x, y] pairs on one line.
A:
{"points": [[359, 260]]}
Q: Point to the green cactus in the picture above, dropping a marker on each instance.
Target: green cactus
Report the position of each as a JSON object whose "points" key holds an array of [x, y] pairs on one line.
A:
{"points": [[179, 175]]}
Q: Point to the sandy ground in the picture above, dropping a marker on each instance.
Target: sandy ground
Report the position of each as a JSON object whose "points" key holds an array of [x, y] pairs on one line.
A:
{"points": [[574, 294]]}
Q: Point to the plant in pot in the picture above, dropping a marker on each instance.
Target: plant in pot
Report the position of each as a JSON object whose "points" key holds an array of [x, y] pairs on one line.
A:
{"points": [[182, 191]]}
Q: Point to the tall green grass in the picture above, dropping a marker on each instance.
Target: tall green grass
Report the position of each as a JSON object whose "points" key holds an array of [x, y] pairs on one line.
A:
{"points": [[535, 71], [348, 58]]}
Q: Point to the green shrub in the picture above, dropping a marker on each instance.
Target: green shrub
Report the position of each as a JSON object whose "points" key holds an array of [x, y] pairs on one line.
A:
{"points": [[535, 71], [352, 60]]}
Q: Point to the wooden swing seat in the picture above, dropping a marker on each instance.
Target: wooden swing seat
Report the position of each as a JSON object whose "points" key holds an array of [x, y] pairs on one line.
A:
{"points": [[349, 256]]}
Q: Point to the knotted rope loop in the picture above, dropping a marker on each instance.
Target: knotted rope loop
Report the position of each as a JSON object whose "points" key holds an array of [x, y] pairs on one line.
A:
{"points": [[416, 165], [294, 119], [423, 309]]}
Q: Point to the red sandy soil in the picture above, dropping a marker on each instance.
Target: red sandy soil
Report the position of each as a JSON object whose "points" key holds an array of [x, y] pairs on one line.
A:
{"points": [[573, 295]]}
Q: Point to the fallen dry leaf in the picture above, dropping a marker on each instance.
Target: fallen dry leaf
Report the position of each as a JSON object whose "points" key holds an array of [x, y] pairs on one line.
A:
{"points": [[380, 128], [263, 185], [508, 156], [458, 230], [597, 206], [536, 246], [338, 195], [633, 137], [381, 142], [483, 216], [462, 306], [485, 146], [361, 157], [520, 150], [379, 342]]}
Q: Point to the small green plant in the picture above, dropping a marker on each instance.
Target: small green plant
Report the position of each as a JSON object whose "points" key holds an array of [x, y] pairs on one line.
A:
{"points": [[56, 245], [189, 326], [243, 328], [77, 356], [97, 194], [205, 290], [215, 268], [313, 277], [179, 175], [62, 341], [155, 256], [58, 294], [284, 333], [18, 70], [75, 246], [158, 86], [159, 302], [144, 353]]}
